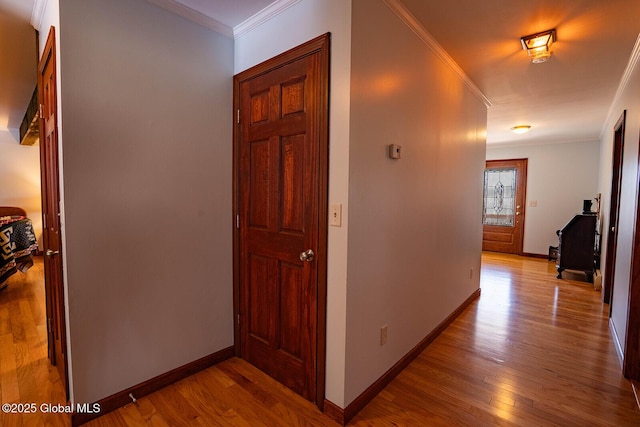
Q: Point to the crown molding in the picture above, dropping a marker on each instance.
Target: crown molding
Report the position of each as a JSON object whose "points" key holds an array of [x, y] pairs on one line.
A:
{"points": [[263, 16], [193, 16], [37, 13], [624, 82], [414, 25]]}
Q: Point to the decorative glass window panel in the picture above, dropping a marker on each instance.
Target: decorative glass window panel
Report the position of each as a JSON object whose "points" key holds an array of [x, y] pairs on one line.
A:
{"points": [[499, 197]]}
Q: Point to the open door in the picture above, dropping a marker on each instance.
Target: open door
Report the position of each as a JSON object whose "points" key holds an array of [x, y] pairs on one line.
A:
{"points": [[52, 241]]}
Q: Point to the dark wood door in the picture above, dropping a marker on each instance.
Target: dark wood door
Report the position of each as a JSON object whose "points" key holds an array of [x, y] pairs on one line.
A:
{"points": [[281, 201], [505, 184], [51, 208], [614, 211]]}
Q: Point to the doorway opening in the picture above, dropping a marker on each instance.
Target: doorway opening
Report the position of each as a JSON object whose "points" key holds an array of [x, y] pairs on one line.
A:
{"points": [[614, 211]]}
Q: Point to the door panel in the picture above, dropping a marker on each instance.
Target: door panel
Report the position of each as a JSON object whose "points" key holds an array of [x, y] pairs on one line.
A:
{"points": [[281, 157], [292, 321], [52, 240], [280, 179], [292, 194], [504, 209]]}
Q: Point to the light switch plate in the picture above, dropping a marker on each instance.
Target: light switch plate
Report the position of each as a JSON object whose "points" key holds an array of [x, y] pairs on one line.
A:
{"points": [[335, 215]]}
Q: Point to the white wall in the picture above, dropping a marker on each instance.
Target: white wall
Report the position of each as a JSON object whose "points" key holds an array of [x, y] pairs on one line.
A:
{"points": [[147, 157], [20, 178], [414, 223], [559, 177], [296, 25], [628, 100]]}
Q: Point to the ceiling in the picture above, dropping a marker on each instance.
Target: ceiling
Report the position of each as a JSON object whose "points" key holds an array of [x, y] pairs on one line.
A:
{"points": [[565, 99], [228, 12]]}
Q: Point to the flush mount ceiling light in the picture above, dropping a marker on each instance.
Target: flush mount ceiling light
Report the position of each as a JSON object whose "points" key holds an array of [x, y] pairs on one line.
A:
{"points": [[538, 45], [521, 129]]}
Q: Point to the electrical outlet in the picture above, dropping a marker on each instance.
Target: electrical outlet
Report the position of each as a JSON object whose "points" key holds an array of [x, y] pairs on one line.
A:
{"points": [[383, 335]]}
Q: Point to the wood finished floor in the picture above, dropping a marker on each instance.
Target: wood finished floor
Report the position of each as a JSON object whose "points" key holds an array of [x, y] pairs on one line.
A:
{"points": [[532, 351], [25, 373]]}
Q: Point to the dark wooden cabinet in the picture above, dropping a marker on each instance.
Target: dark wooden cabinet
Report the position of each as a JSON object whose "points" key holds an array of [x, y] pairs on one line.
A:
{"points": [[577, 246]]}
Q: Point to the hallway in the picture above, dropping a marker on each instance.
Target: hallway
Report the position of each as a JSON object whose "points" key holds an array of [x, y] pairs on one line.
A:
{"points": [[533, 350]]}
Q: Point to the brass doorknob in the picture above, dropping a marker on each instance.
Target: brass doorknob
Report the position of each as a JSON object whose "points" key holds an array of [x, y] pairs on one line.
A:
{"points": [[51, 253]]}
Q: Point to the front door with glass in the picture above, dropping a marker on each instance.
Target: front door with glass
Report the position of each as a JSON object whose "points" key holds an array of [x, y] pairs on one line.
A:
{"points": [[503, 210]]}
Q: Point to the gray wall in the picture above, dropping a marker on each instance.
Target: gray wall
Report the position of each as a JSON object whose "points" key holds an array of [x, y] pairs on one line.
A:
{"points": [[146, 135], [415, 228]]}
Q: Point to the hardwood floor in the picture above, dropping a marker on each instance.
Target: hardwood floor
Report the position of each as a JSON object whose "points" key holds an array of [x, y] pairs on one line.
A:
{"points": [[26, 377], [532, 351]]}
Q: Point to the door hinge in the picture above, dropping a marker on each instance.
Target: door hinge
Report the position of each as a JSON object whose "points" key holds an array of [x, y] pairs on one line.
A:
{"points": [[237, 220], [49, 325], [238, 116], [238, 319], [41, 110]]}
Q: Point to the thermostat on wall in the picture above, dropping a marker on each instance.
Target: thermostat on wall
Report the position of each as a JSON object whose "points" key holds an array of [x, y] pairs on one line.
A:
{"points": [[394, 151]]}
